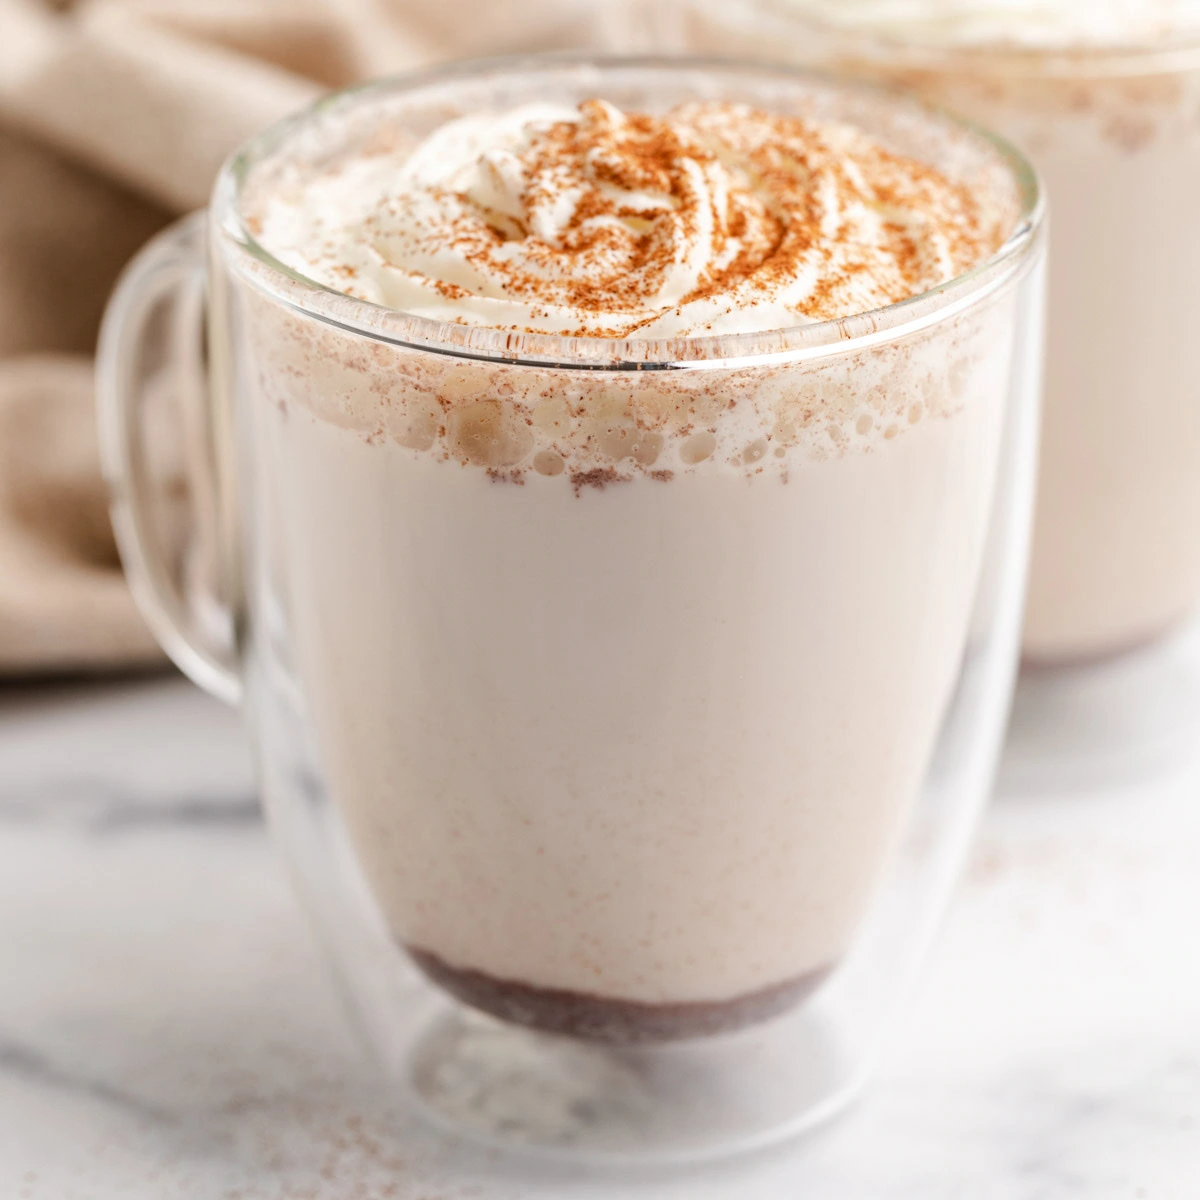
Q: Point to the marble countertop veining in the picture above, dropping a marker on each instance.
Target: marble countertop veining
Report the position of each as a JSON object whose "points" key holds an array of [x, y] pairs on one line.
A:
{"points": [[167, 1029]]}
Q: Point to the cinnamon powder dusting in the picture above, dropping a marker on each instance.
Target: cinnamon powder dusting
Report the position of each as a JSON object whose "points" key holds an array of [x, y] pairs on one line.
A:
{"points": [[711, 218], [611, 205], [598, 478]]}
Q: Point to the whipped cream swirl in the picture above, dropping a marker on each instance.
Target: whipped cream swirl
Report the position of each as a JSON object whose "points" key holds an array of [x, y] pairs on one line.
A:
{"points": [[1046, 24], [715, 218]]}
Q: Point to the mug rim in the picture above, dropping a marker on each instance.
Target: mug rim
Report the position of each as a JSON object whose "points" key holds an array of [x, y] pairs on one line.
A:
{"points": [[1173, 53], [801, 341]]}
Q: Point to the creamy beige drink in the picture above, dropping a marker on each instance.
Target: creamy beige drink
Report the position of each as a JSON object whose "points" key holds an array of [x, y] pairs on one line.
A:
{"points": [[623, 681], [1105, 95]]}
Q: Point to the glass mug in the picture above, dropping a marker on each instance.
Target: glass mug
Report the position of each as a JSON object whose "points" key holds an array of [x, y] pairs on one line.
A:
{"points": [[1115, 133], [623, 708]]}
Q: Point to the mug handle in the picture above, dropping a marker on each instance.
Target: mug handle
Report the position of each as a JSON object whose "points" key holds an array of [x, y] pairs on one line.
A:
{"points": [[153, 334]]}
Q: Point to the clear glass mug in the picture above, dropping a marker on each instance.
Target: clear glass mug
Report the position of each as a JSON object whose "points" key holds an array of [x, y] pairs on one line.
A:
{"points": [[1115, 134], [623, 709]]}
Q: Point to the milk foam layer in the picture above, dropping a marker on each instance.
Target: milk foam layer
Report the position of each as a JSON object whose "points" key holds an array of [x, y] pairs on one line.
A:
{"points": [[1033, 23], [712, 219]]}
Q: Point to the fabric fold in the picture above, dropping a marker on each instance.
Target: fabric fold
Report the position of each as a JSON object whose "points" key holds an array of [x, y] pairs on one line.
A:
{"points": [[115, 115]]}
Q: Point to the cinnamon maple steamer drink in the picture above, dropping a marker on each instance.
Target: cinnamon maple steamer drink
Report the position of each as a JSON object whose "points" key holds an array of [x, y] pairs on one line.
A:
{"points": [[621, 475], [624, 679], [1105, 95]]}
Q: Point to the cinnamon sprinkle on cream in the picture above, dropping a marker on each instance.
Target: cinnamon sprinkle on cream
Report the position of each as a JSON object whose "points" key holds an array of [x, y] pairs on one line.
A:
{"points": [[713, 218]]}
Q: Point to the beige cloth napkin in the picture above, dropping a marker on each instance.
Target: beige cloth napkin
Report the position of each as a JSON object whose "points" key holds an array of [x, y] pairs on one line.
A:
{"points": [[114, 117]]}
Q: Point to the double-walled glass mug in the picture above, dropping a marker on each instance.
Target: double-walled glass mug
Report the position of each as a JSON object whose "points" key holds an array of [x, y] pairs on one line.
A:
{"points": [[623, 708]]}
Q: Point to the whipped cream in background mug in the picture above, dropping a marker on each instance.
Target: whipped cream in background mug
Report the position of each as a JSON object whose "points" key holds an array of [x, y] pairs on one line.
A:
{"points": [[1030, 23]]}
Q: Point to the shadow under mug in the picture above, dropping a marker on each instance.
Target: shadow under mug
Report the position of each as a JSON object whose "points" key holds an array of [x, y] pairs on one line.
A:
{"points": [[623, 709]]}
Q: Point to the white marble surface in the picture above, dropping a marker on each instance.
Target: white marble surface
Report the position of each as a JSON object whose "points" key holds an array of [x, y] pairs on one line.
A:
{"points": [[166, 1029]]}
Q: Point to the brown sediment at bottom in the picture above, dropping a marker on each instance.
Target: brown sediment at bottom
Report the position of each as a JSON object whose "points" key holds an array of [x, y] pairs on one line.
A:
{"points": [[614, 1022]]}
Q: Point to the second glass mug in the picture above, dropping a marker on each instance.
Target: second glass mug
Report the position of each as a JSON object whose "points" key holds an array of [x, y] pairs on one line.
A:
{"points": [[1112, 693], [623, 708]]}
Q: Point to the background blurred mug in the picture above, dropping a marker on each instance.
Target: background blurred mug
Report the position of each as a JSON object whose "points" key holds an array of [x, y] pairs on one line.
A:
{"points": [[623, 708], [1114, 128], [1106, 101]]}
